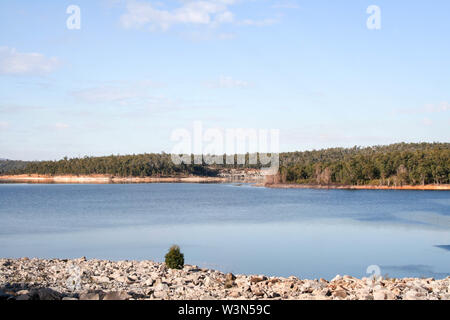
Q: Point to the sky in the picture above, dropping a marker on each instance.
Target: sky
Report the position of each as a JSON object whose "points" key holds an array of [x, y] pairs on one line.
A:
{"points": [[136, 70]]}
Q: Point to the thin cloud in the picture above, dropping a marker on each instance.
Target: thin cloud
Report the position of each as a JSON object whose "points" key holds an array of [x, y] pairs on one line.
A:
{"points": [[13, 62], [427, 121], [227, 83], [15, 108], [123, 93], [145, 14], [135, 99], [259, 23], [429, 108], [105, 94], [210, 13], [442, 107], [61, 126], [286, 5], [4, 125]]}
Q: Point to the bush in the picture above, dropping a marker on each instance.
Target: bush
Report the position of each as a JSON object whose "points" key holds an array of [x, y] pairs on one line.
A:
{"points": [[174, 258]]}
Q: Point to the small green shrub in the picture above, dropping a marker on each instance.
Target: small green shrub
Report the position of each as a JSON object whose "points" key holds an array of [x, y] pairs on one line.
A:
{"points": [[174, 258]]}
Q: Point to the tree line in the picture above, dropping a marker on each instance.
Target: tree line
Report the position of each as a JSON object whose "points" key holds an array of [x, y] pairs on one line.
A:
{"points": [[142, 165], [393, 165], [8, 166], [396, 164]]}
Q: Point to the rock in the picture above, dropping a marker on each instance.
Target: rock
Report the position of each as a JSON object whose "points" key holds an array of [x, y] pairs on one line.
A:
{"points": [[148, 282], [411, 295], [89, 296], [6, 263], [337, 278], [161, 287], [322, 292], [275, 280], [21, 292], [234, 294], [4, 295], [230, 277], [208, 282], [229, 284], [379, 295], [191, 268], [69, 299], [258, 292], [48, 294], [117, 295], [274, 295], [124, 279], [160, 294], [383, 294], [102, 279], [110, 280], [257, 279], [229, 280], [340, 294]]}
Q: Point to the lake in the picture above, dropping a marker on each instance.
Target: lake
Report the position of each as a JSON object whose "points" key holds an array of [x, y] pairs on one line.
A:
{"points": [[233, 228]]}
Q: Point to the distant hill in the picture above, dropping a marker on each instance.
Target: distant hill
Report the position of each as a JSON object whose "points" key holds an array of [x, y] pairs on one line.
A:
{"points": [[11, 166]]}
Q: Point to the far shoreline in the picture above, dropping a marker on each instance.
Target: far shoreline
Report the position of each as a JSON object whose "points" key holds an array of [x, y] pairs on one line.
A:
{"points": [[105, 179], [108, 179], [427, 187]]}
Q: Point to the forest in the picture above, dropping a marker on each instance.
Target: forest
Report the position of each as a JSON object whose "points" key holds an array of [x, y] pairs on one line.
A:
{"points": [[8, 166], [396, 164], [393, 165], [142, 165]]}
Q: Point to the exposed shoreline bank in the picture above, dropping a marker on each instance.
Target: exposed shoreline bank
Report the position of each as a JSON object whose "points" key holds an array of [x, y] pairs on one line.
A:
{"points": [[107, 179], [429, 187], [81, 279]]}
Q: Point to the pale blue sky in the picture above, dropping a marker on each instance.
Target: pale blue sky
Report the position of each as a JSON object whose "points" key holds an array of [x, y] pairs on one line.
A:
{"points": [[137, 70]]}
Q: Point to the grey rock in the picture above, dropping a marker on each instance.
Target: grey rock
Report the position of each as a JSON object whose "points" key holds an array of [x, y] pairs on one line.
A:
{"points": [[230, 277], [117, 295], [22, 292], [89, 296], [340, 294], [47, 294], [379, 295], [161, 287], [4, 296], [337, 278], [110, 280]]}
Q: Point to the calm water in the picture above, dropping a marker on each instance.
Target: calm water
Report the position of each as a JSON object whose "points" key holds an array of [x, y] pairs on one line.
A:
{"points": [[240, 229]]}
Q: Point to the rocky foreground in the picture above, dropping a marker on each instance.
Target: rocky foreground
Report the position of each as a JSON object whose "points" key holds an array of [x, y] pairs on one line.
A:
{"points": [[81, 279]]}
